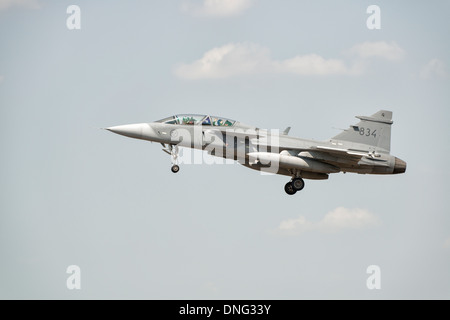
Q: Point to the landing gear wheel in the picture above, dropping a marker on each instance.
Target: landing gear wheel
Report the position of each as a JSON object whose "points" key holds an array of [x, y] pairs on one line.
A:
{"points": [[298, 184], [289, 188], [175, 168]]}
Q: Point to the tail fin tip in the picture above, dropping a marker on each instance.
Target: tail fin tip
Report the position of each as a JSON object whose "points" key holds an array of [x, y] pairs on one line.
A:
{"points": [[383, 116]]}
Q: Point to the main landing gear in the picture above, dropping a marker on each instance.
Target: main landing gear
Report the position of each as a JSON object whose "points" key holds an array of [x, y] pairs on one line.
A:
{"points": [[296, 184], [173, 152]]}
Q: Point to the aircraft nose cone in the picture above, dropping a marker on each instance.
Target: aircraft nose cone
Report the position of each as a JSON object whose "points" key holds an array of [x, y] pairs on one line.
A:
{"points": [[128, 130], [400, 166]]}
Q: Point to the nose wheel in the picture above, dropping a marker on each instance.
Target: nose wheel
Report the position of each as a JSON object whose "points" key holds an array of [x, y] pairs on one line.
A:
{"points": [[294, 185], [175, 168]]}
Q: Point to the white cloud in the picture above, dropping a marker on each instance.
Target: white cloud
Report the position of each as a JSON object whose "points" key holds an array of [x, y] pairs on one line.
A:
{"points": [[217, 8], [389, 51], [434, 68], [226, 61], [294, 226], [313, 64], [343, 218], [337, 220], [236, 59], [29, 4]]}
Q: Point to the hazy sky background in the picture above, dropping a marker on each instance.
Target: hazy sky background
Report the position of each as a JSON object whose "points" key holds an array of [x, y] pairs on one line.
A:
{"points": [[72, 194]]}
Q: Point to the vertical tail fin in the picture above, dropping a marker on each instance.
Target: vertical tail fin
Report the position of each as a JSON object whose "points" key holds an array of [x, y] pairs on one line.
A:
{"points": [[374, 130]]}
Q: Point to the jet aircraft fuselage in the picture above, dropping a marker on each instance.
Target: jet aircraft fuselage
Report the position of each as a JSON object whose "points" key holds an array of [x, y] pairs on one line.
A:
{"points": [[364, 148]]}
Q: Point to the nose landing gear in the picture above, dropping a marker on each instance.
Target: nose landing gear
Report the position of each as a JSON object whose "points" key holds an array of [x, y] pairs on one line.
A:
{"points": [[173, 152]]}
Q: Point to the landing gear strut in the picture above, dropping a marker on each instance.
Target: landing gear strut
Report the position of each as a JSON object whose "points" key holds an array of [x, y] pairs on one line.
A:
{"points": [[173, 151], [296, 184]]}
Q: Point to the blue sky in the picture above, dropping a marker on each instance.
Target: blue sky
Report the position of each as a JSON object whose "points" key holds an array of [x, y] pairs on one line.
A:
{"points": [[74, 194]]}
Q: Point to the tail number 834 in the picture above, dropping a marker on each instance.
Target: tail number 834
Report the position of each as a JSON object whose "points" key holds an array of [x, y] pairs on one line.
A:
{"points": [[367, 132]]}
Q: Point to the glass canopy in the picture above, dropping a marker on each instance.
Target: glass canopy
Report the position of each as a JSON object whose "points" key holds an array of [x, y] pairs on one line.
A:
{"points": [[198, 119]]}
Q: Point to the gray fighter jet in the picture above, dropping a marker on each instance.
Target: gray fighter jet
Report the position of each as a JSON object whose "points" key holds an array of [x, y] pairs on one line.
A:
{"points": [[363, 148]]}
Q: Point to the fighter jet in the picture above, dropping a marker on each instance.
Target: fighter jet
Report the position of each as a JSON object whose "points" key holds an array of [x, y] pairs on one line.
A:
{"points": [[363, 148]]}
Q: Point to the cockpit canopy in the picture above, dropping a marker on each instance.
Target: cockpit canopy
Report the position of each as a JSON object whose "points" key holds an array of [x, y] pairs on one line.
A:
{"points": [[198, 119]]}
